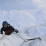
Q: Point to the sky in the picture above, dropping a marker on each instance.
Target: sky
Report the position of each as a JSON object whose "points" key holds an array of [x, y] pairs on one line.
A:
{"points": [[7, 5]]}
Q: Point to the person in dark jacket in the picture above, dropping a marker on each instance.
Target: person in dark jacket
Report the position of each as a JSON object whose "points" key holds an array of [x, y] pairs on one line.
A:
{"points": [[7, 28]]}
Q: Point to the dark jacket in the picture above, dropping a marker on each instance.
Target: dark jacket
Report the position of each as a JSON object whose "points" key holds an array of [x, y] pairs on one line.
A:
{"points": [[8, 30]]}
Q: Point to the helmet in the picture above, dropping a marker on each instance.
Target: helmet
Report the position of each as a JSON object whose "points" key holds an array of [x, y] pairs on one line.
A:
{"points": [[4, 22]]}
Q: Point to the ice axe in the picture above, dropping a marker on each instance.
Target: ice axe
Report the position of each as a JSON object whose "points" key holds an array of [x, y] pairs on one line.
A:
{"points": [[33, 39]]}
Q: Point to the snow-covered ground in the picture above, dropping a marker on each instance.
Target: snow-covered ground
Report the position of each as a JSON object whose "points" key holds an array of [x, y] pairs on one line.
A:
{"points": [[29, 17], [28, 27], [18, 39]]}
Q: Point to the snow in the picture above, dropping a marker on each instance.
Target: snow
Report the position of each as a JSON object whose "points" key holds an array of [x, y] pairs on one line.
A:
{"points": [[18, 39], [29, 17], [36, 31], [13, 40]]}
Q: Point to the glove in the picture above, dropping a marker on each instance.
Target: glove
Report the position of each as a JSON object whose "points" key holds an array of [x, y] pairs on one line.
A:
{"points": [[16, 31]]}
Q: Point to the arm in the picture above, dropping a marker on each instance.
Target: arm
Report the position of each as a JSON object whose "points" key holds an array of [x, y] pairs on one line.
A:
{"points": [[12, 28], [1, 30], [15, 30]]}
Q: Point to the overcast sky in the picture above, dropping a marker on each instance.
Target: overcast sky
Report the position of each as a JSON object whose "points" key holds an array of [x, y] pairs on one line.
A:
{"points": [[8, 5]]}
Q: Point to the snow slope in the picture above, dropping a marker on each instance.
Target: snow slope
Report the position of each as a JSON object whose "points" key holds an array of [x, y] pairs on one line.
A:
{"points": [[13, 39], [22, 20], [28, 16], [36, 31]]}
